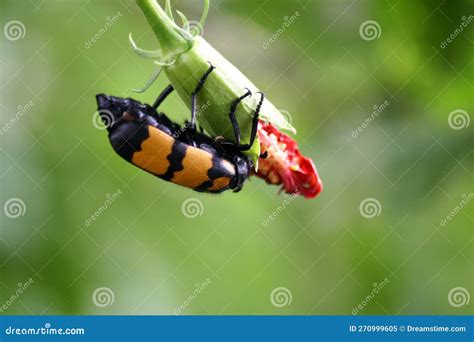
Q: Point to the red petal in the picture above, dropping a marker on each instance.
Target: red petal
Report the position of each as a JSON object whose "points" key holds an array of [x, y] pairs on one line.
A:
{"points": [[284, 163]]}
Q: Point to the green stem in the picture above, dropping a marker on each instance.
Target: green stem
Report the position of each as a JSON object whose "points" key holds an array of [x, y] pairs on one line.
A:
{"points": [[169, 35]]}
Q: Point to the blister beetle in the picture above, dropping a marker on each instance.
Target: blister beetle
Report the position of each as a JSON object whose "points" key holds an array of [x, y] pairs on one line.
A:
{"points": [[182, 155]]}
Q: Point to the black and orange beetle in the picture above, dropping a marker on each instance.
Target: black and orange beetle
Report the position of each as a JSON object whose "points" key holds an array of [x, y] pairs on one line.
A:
{"points": [[182, 155]]}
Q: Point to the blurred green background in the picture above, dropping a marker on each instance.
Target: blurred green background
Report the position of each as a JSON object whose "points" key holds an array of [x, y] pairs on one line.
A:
{"points": [[150, 258]]}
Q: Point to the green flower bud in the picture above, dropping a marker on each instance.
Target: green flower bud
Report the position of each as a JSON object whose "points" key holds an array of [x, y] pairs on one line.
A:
{"points": [[185, 58]]}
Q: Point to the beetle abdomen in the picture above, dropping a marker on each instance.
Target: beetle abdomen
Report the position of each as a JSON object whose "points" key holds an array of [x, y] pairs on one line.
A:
{"points": [[160, 154]]}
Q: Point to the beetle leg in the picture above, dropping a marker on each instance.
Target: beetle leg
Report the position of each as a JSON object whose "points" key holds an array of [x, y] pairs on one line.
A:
{"points": [[238, 178], [253, 133], [194, 96], [233, 119], [163, 95]]}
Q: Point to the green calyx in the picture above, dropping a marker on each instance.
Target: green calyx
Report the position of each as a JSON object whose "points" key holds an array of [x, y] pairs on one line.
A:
{"points": [[173, 40]]}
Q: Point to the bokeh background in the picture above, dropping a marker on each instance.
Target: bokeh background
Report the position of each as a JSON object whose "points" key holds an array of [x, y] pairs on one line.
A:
{"points": [[142, 255]]}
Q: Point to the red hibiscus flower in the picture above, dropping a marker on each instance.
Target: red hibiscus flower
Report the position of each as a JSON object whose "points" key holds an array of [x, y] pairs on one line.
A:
{"points": [[284, 163]]}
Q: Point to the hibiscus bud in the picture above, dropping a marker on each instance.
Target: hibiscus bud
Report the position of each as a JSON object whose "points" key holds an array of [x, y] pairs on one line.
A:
{"points": [[184, 58]]}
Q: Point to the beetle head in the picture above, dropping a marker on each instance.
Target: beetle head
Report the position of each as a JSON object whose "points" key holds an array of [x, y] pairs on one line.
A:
{"points": [[114, 110]]}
